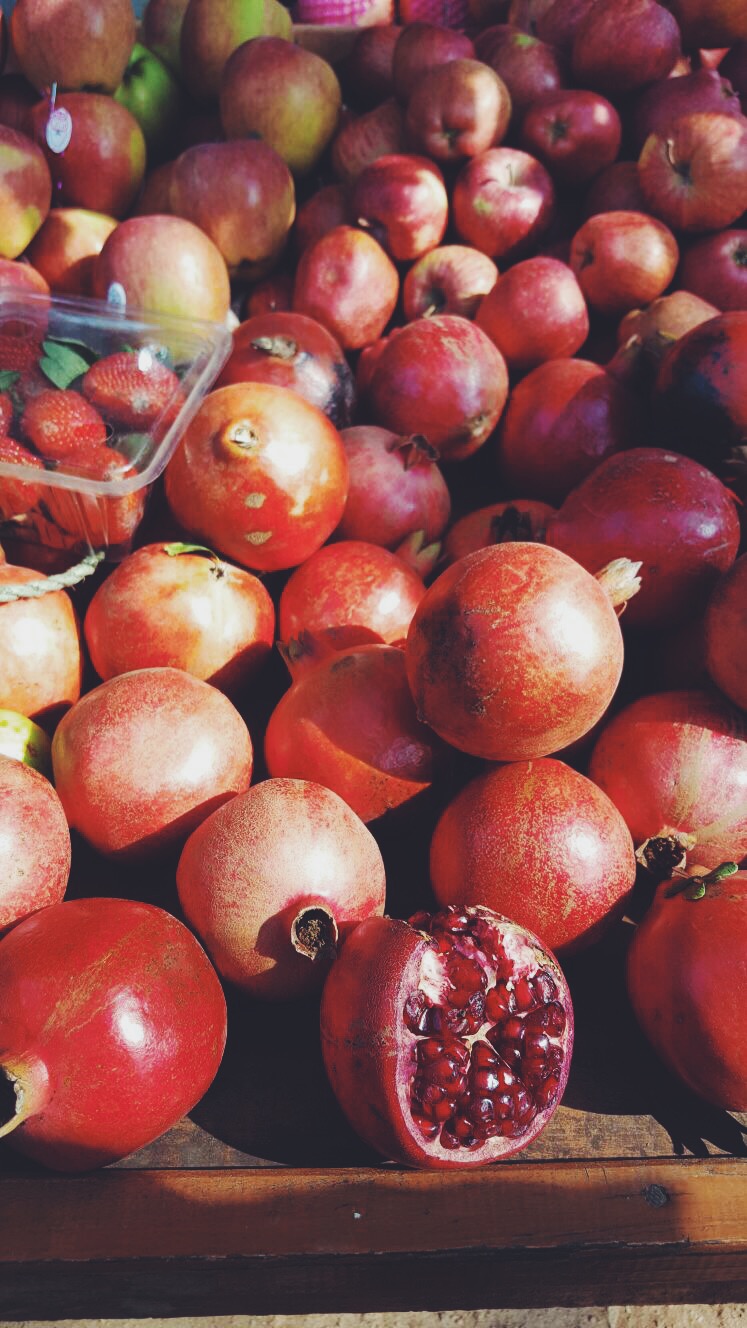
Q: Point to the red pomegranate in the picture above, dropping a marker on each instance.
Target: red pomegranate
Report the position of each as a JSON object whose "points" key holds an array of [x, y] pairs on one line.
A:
{"points": [[34, 842], [676, 762], [395, 488], [350, 594], [701, 389], [112, 1027], [272, 881], [348, 722], [726, 633], [520, 519], [514, 652], [40, 657], [447, 1042], [692, 941], [142, 759]]}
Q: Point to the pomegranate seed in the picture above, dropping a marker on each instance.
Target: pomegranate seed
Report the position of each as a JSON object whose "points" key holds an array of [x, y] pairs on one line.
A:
{"points": [[443, 1111], [526, 998], [499, 1002], [448, 1140], [546, 1093], [453, 919], [513, 1029], [482, 1110], [426, 1127], [485, 1080], [483, 1054], [416, 1011], [536, 1044], [504, 1106], [443, 1071], [550, 1017], [545, 985], [475, 1011], [430, 1094], [463, 1129], [421, 921]]}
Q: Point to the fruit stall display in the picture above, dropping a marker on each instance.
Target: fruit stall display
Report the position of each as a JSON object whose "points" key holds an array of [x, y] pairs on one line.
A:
{"points": [[373, 615]]}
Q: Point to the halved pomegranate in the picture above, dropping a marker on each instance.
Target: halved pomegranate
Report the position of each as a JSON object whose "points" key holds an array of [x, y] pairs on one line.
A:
{"points": [[448, 1040]]}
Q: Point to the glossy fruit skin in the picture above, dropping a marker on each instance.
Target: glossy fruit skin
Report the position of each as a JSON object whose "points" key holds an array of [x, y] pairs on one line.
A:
{"points": [[726, 633], [687, 983], [425, 45], [715, 268], [349, 723], [658, 106], [145, 757], [26, 190], [366, 1055], [499, 523], [562, 421], [514, 652], [664, 510], [34, 842], [450, 279], [623, 260], [165, 264], [574, 133], [694, 175], [292, 350], [114, 1006], [536, 311], [260, 475], [457, 110], [541, 844], [249, 869], [103, 166], [184, 611], [503, 201], [88, 47], [678, 761], [621, 46], [349, 284], [350, 593], [40, 656], [396, 488], [701, 389], [441, 377], [402, 200], [530, 68]]}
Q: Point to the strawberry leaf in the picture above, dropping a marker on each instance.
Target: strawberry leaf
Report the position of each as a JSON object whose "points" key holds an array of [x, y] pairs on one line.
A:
{"points": [[61, 364], [8, 377]]}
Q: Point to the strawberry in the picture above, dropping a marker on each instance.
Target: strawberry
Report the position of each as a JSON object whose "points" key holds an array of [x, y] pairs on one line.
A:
{"points": [[18, 353], [444, 13], [63, 426], [6, 413], [98, 520], [17, 496], [132, 389]]}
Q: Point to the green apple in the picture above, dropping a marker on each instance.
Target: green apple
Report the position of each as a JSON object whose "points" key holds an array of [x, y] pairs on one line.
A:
{"points": [[23, 740], [151, 93]]}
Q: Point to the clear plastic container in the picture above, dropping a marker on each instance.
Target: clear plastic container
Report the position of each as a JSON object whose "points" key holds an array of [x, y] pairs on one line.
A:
{"points": [[93, 402]]}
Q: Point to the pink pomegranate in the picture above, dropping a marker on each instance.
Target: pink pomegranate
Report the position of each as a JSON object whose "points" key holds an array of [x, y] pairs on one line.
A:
{"points": [[34, 842]]}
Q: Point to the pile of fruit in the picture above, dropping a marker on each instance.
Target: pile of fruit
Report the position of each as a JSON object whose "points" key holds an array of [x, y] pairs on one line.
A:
{"points": [[475, 463]]}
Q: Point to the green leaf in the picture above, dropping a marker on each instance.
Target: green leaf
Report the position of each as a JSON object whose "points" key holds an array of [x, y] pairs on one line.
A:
{"points": [[8, 377], [719, 873], [75, 341], [174, 550], [696, 890], [61, 364]]}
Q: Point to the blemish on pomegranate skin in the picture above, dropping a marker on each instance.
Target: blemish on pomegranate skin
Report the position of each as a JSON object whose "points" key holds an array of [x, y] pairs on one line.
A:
{"points": [[655, 1195]]}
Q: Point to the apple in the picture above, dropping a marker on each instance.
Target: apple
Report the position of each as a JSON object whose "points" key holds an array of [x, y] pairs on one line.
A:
{"points": [[241, 195], [102, 166], [623, 260], [323, 210], [23, 740], [558, 21], [402, 201], [155, 195], [211, 31], [376, 133], [271, 296], [162, 30], [424, 46], [657, 107], [710, 23], [734, 68], [694, 176], [347, 282], [84, 45], [536, 311], [286, 95], [17, 97], [65, 248], [616, 189], [529, 67], [150, 91], [645, 335], [21, 276], [621, 45], [366, 71], [25, 191], [450, 279], [575, 134], [502, 202], [715, 268], [166, 265], [457, 110]]}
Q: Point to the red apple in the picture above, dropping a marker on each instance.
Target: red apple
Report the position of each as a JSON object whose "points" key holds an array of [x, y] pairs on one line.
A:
{"points": [[17, 97], [241, 195], [715, 268], [402, 201], [525, 14], [621, 45], [21, 276], [366, 71], [623, 260], [349, 284], [375, 134], [575, 134], [561, 421], [323, 210], [155, 195], [167, 265], [212, 30], [734, 68], [529, 68], [102, 166], [25, 191], [503, 201], [423, 46], [694, 177], [558, 22], [535, 312], [457, 110], [710, 23], [66, 247], [85, 44], [616, 189], [657, 107], [451, 279], [284, 94], [162, 30]]}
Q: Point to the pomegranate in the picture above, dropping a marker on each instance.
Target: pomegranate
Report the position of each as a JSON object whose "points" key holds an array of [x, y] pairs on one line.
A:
{"points": [[521, 519], [447, 1042], [659, 507], [112, 1027], [348, 722], [514, 652], [349, 594], [701, 388], [142, 759], [676, 763], [34, 842], [40, 656], [541, 843], [396, 488], [726, 633], [272, 881], [687, 982]]}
